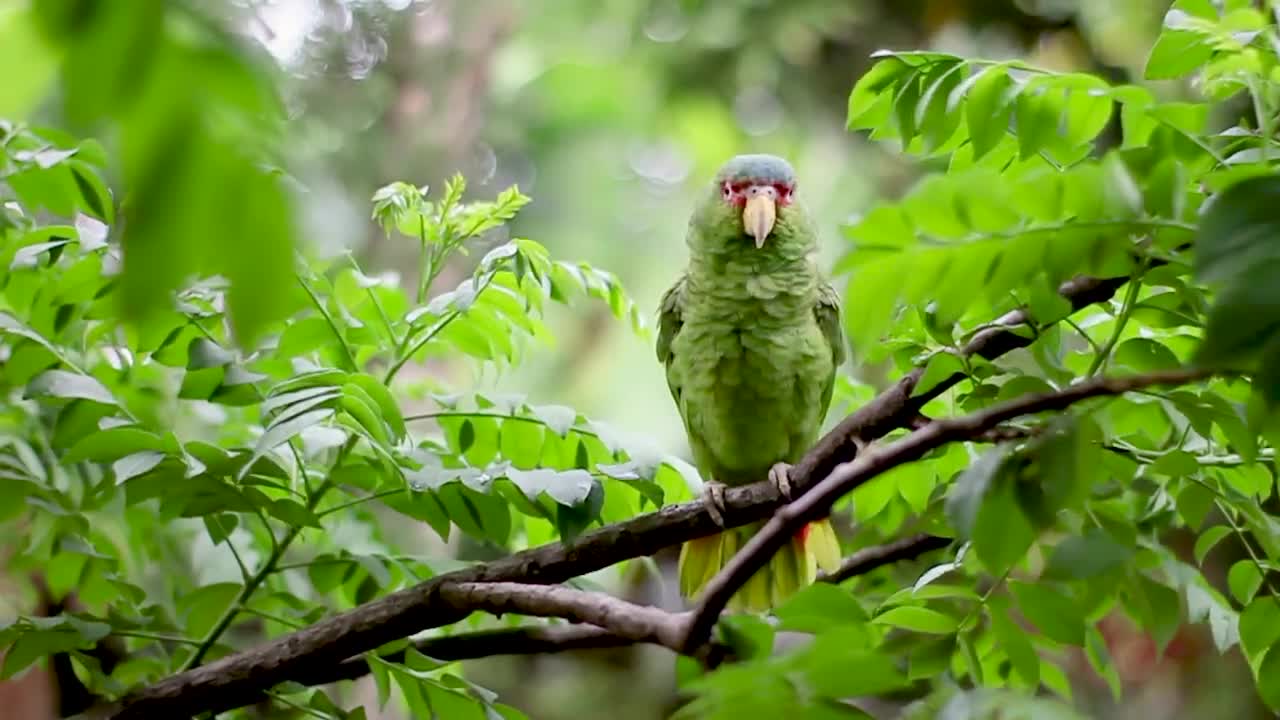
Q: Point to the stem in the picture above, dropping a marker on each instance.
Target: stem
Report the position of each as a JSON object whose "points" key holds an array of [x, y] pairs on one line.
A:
{"points": [[1263, 115], [272, 617], [324, 312], [266, 526], [409, 353], [1126, 309], [244, 571], [1097, 349], [1146, 457], [268, 566], [426, 262], [342, 561], [360, 501], [278, 697], [1244, 540], [377, 304], [490, 415], [161, 637]]}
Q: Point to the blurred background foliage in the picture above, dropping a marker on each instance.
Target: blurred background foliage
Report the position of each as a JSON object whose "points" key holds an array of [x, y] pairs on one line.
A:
{"points": [[609, 113]]}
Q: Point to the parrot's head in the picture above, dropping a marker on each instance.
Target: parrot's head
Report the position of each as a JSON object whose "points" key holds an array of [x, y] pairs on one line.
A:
{"points": [[751, 202]]}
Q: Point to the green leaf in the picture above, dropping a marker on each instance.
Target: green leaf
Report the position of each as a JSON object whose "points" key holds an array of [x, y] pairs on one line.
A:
{"points": [[387, 406], [304, 336], [1176, 53], [1194, 502], [1208, 540], [135, 465], [292, 513], [113, 443], [1050, 610], [747, 636], [1002, 533], [1144, 355], [1269, 678], [202, 607], [558, 418], [23, 46], [65, 384], [940, 366], [870, 92], [1159, 608], [838, 665], [966, 495], [1260, 626], [567, 487], [1235, 247], [1084, 556], [522, 443], [1176, 463], [1095, 649], [988, 108], [1244, 579], [819, 607], [281, 432], [917, 619], [39, 637], [1015, 643]]}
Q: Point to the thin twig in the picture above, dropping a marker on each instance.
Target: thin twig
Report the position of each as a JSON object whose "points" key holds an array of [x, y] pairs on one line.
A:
{"points": [[333, 326], [264, 571], [1006, 433], [878, 556]]}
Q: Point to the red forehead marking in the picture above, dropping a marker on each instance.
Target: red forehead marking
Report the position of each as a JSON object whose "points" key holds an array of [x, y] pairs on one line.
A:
{"points": [[735, 190]]}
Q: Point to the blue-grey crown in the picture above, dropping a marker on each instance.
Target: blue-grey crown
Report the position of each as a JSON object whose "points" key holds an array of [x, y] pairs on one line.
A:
{"points": [[767, 168]]}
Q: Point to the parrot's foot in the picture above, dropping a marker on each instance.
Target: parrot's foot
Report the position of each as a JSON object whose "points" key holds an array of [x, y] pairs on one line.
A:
{"points": [[780, 476], [713, 500]]}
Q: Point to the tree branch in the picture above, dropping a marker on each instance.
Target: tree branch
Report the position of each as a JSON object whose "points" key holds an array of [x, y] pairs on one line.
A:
{"points": [[240, 678], [818, 501], [637, 623], [527, 640], [898, 405], [534, 639], [877, 556]]}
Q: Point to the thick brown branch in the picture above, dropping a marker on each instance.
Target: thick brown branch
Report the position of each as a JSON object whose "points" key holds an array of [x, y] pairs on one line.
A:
{"points": [[238, 679], [532, 640], [877, 556], [818, 501], [638, 623]]}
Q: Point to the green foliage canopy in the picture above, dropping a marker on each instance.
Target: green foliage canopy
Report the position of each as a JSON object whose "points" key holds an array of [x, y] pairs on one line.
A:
{"points": [[261, 421]]}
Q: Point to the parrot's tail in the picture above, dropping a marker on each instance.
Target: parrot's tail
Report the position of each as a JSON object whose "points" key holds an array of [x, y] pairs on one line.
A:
{"points": [[793, 567]]}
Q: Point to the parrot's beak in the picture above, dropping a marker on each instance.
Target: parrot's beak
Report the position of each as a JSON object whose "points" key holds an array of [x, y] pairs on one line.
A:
{"points": [[760, 214]]}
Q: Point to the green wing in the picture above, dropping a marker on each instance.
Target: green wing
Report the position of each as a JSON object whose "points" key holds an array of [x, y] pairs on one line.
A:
{"points": [[827, 311], [669, 322]]}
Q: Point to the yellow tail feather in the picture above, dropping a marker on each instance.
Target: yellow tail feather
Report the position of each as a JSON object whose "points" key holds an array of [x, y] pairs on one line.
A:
{"points": [[792, 568]]}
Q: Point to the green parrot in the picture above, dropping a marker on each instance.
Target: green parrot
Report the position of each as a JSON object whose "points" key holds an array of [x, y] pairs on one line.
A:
{"points": [[750, 337]]}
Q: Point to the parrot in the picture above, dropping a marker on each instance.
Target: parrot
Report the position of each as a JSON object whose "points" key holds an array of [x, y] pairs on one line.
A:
{"points": [[750, 338]]}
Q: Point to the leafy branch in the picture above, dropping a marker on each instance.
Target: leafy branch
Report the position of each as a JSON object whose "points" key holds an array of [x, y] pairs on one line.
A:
{"points": [[818, 500], [236, 679]]}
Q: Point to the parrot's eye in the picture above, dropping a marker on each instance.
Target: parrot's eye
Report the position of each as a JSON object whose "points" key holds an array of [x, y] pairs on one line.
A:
{"points": [[727, 191]]}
